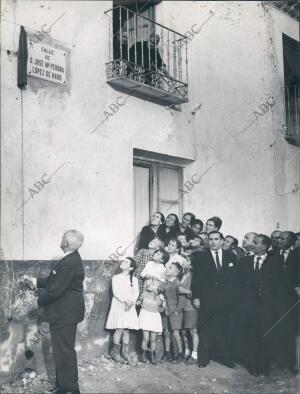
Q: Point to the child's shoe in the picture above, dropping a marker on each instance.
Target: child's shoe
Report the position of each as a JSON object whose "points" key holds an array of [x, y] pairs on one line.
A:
{"points": [[125, 353], [115, 354], [187, 353], [191, 361], [153, 358], [179, 358], [143, 358], [167, 357]]}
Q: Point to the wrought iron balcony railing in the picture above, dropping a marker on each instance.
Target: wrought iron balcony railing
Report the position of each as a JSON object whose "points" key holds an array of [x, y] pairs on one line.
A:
{"points": [[291, 128], [146, 59]]}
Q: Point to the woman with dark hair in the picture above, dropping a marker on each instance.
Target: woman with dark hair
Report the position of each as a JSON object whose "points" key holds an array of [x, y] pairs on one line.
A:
{"points": [[170, 229], [185, 225], [154, 229]]}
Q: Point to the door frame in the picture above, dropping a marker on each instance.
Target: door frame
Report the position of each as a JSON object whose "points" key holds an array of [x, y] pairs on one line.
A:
{"points": [[155, 169]]}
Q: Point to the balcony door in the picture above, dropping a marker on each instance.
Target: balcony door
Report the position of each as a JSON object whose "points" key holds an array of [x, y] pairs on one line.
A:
{"points": [[155, 188]]}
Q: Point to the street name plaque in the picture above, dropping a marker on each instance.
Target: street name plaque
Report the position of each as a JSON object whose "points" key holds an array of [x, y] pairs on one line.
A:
{"points": [[46, 62]]}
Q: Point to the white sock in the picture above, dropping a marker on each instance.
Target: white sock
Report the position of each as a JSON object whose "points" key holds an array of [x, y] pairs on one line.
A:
{"points": [[187, 352], [194, 355]]}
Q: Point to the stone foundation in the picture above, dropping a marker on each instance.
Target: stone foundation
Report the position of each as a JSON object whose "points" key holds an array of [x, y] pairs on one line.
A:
{"points": [[24, 338]]}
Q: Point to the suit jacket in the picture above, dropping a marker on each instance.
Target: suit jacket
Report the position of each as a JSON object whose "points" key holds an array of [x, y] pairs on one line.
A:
{"points": [[61, 293], [261, 293], [291, 273], [174, 301], [239, 252], [217, 290]]}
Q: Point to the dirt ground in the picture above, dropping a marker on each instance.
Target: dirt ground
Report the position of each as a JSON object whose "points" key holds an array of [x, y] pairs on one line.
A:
{"points": [[102, 375]]}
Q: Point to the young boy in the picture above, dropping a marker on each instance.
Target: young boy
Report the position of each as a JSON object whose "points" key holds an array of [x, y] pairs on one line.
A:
{"points": [[190, 316], [204, 237], [174, 248], [184, 244], [172, 319], [196, 244]]}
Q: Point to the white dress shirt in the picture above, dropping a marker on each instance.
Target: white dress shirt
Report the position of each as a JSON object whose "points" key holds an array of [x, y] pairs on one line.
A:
{"points": [[249, 253], [69, 252], [285, 253], [262, 259], [220, 254]]}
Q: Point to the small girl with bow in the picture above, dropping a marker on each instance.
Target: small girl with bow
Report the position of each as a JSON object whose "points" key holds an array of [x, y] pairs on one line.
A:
{"points": [[152, 303]]}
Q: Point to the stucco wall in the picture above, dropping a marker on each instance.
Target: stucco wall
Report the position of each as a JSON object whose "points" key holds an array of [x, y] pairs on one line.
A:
{"points": [[231, 72], [21, 345], [95, 182], [236, 64]]}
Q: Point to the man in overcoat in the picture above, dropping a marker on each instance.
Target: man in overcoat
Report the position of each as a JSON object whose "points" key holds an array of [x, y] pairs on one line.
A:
{"points": [[61, 295], [214, 292], [261, 304]]}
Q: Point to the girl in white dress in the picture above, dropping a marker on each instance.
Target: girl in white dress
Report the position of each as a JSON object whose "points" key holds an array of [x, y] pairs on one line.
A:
{"points": [[122, 315], [152, 303], [155, 269]]}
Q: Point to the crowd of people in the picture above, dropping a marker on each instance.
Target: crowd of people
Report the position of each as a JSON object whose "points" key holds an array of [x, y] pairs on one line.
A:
{"points": [[210, 298]]}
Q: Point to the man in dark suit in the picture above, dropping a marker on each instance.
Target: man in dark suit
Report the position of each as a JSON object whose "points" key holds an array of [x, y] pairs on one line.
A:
{"points": [[214, 292], [297, 242], [248, 243], [260, 307], [61, 295], [231, 245], [290, 260]]}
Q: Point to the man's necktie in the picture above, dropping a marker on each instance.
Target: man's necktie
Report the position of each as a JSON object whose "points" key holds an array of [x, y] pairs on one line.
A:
{"points": [[256, 269], [282, 253], [218, 262]]}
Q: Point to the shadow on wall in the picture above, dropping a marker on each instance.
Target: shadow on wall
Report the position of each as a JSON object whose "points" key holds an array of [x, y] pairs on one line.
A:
{"points": [[24, 335]]}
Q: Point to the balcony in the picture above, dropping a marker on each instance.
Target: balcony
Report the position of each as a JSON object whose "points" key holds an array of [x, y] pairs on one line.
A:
{"points": [[291, 128], [146, 59]]}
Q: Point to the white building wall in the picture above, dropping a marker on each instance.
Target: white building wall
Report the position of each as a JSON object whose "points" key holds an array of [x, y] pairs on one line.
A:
{"points": [[232, 72], [230, 76]]}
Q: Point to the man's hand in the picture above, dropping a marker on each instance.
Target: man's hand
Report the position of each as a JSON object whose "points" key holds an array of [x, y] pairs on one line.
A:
{"points": [[297, 290], [196, 303]]}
